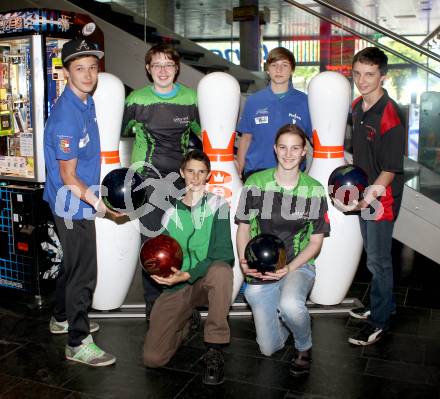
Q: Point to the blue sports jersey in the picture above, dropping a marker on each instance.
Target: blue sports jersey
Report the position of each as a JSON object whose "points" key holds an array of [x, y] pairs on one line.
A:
{"points": [[264, 113], [71, 132]]}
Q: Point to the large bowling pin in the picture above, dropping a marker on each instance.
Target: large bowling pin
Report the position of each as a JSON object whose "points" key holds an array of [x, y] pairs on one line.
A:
{"points": [[219, 102], [117, 244], [329, 102]]}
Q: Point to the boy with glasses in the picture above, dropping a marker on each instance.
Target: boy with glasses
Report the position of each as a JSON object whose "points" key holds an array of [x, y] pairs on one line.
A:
{"points": [[161, 116]]}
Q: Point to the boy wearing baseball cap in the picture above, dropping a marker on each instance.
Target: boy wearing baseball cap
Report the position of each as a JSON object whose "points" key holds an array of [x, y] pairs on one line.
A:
{"points": [[73, 167]]}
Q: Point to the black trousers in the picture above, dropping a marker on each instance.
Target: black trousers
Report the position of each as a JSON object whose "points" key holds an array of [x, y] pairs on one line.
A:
{"points": [[76, 281], [152, 221]]}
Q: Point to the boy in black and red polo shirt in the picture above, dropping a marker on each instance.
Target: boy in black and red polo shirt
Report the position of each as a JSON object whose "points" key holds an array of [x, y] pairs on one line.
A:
{"points": [[378, 148]]}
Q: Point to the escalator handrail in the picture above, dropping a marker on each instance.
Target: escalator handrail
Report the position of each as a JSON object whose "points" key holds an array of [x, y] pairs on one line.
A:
{"points": [[378, 28], [364, 37]]}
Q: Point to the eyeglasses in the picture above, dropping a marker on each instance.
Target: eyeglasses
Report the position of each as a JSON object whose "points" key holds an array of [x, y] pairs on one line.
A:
{"points": [[167, 67]]}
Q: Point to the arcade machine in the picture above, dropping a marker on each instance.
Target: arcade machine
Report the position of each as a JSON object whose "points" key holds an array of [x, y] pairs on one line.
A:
{"points": [[31, 80]]}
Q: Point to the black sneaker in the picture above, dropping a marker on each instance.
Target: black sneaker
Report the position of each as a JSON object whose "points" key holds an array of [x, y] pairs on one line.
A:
{"points": [[360, 313], [196, 320], [148, 308], [301, 363], [214, 367], [367, 335]]}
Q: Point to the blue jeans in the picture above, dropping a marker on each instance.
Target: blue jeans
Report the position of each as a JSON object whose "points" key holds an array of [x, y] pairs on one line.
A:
{"points": [[280, 308], [377, 238]]}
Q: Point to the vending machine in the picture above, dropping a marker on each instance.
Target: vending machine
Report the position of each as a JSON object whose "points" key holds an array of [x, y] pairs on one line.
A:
{"points": [[31, 80]]}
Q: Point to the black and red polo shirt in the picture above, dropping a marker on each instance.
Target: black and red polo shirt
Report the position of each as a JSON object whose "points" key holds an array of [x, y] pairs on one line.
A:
{"points": [[379, 145]]}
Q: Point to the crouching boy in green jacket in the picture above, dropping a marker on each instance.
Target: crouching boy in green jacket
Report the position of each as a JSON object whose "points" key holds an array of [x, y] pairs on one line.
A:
{"points": [[200, 223]]}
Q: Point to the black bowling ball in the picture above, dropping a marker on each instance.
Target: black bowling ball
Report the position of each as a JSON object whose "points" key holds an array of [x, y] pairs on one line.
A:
{"points": [[265, 253], [123, 190], [347, 184]]}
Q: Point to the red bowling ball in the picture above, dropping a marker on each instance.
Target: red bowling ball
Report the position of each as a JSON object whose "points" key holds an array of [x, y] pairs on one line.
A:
{"points": [[159, 254]]}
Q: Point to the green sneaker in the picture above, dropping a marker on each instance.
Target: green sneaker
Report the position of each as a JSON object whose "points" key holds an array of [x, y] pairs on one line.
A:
{"points": [[62, 327], [89, 353]]}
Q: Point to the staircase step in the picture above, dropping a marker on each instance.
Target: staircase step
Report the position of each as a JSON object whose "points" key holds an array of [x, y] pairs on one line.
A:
{"points": [[189, 55], [120, 19], [244, 84], [93, 6], [205, 68], [157, 37]]}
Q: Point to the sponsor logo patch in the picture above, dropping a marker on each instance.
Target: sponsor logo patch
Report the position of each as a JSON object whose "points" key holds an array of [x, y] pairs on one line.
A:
{"points": [[65, 145], [259, 120], [295, 117], [84, 141]]}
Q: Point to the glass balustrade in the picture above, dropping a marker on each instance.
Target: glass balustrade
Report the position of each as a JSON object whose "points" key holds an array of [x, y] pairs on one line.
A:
{"points": [[322, 40]]}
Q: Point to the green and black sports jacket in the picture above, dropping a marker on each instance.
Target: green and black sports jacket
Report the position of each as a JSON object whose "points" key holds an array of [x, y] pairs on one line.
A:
{"points": [[203, 232], [161, 126]]}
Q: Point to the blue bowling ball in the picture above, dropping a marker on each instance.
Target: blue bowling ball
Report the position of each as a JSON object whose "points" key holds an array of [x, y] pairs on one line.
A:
{"points": [[347, 184], [122, 190]]}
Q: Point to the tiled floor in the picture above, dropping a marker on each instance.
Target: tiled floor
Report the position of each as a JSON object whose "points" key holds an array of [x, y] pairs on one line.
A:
{"points": [[406, 364]]}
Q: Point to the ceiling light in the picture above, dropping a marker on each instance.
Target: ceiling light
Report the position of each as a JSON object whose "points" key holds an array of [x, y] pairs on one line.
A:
{"points": [[405, 16]]}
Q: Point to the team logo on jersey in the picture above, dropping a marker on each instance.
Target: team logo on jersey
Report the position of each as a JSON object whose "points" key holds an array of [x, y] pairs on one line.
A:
{"points": [[64, 145], [295, 117], [371, 132], [262, 111], [181, 120]]}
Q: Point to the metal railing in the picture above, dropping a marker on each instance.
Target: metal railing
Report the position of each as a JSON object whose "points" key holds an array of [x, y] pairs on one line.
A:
{"points": [[378, 28]]}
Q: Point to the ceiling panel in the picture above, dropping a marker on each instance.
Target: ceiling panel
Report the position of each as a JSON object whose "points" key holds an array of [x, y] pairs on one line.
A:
{"points": [[206, 19]]}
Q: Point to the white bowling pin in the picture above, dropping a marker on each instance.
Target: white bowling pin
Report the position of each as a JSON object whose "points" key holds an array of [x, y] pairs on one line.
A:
{"points": [[117, 244], [329, 102], [219, 101]]}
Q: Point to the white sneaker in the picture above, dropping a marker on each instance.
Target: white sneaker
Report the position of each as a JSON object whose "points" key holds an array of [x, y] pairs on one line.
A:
{"points": [[360, 313]]}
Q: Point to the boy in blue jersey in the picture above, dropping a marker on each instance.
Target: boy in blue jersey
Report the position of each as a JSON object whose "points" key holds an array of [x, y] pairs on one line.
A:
{"points": [[268, 110], [73, 164]]}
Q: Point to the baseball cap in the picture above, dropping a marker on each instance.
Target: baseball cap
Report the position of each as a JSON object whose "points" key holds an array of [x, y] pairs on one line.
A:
{"points": [[76, 47]]}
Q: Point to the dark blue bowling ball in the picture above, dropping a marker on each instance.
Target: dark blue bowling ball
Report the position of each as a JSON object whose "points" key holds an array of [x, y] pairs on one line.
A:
{"points": [[266, 253], [194, 142], [347, 184], [123, 191]]}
